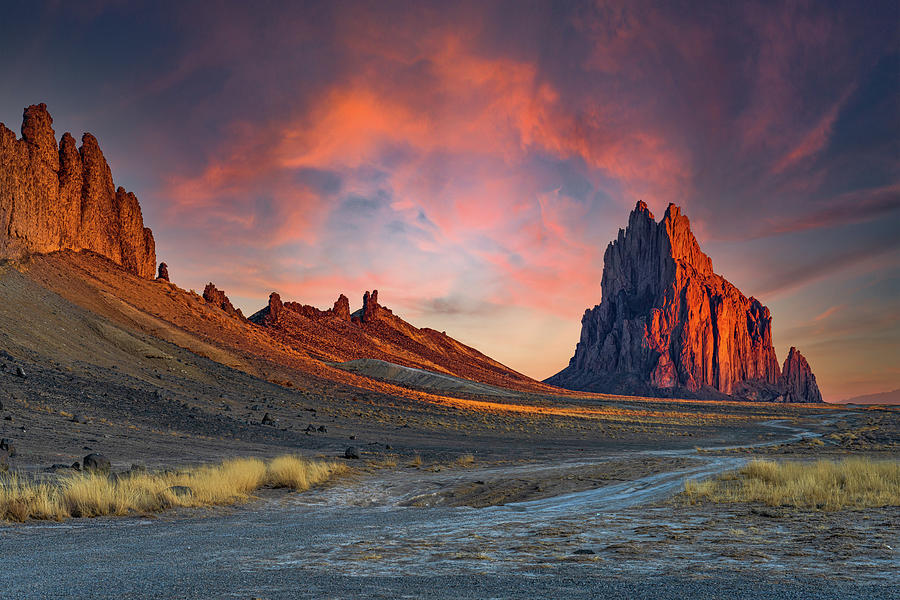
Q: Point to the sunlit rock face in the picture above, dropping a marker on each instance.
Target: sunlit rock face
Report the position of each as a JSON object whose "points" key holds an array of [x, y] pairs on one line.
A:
{"points": [[60, 197], [668, 325], [217, 297]]}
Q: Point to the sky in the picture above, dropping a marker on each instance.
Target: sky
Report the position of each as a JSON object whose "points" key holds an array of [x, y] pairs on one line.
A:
{"points": [[472, 161]]}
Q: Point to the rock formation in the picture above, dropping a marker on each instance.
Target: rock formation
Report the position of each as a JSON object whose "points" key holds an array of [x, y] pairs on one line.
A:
{"points": [[271, 313], [163, 272], [342, 308], [797, 379], [63, 198], [667, 324], [370, 307], [215, 296]]}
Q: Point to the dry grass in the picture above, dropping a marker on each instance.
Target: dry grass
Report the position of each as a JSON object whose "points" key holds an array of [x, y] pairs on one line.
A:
{"points": [[466, 460], [94, 495], [416, 461], [824, 484]]}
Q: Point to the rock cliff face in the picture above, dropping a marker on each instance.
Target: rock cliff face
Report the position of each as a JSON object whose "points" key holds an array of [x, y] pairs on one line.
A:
{"points": [[797, 379], [63, 198], [668, 325]]}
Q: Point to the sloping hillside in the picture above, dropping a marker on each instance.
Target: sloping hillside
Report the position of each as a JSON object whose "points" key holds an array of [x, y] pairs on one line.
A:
{"points": [[374, 332], [294, 349]]}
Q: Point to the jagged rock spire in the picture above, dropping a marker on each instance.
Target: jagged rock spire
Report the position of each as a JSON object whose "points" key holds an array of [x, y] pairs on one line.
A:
{"points": [[667, 321], [63, 198]]}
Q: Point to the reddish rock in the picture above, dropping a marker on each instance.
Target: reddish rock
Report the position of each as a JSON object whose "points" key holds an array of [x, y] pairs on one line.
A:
{"points": [[371, 308], [163, 272], [797, 379], [63, 198], [668, 322], [274, 310], [217, 297], [342, 308]]}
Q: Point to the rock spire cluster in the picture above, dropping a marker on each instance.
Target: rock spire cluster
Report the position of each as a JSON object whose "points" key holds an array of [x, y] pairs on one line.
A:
{"points": [[62, 197]]}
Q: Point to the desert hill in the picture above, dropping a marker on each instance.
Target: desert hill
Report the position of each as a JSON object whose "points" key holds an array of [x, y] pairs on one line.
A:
{"points": [[57, 200], [668, 325]]}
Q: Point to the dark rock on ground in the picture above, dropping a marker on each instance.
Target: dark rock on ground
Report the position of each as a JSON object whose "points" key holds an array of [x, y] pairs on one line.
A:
{"points": [[96, 463], [7, 445], [351, 452]]}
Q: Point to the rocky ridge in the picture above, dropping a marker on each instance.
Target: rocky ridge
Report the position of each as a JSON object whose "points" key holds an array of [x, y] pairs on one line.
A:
{"points": [[62, 197], [669, 325], [217, 297], [374, 332]]}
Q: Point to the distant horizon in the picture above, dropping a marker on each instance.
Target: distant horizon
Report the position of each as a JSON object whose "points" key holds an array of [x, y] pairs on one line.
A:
{"points": [[473, 162]]}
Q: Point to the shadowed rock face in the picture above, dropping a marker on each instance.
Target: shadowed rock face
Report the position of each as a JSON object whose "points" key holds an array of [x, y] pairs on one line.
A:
{"points": [[669, 324], [797, 379], [63, 198]]}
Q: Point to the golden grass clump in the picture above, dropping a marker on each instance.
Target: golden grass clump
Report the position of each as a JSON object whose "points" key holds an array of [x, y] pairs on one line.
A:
{"points": [[823, 484], [466, 460], [300, 474], [95, 495]]}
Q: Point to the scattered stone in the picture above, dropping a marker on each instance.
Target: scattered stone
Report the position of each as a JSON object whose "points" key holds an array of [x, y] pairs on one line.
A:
{"points": [[76, 466], [352, 437], [322, 429], [351, 452], [20, 372], [181, 491], [255, 407], [96, 463], [267, 420], [136, 468], [8, 418], [310, 428], [584, 551]]}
